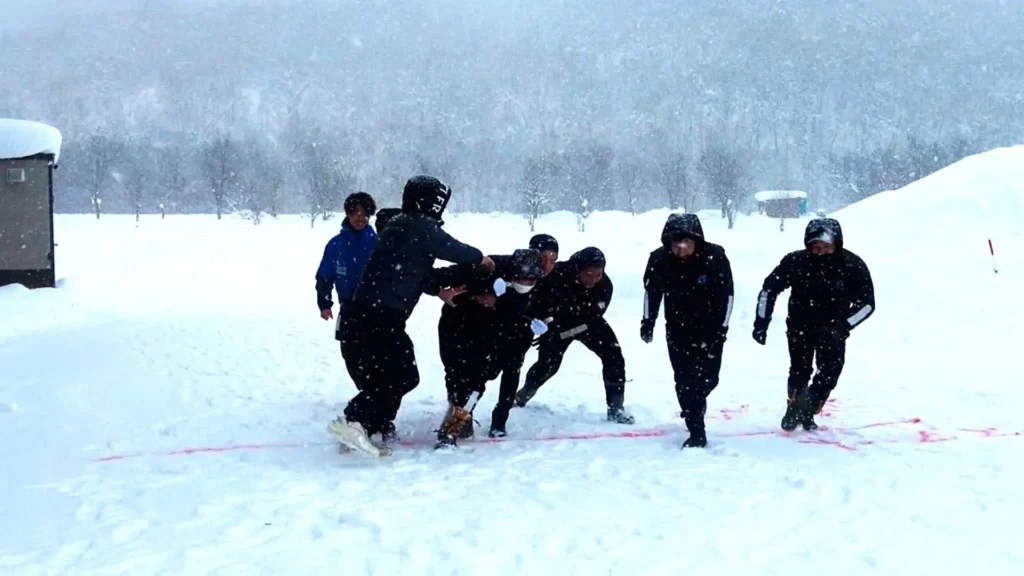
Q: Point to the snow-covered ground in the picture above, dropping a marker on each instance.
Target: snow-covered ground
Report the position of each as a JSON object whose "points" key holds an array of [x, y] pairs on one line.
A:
{"points": [[163, 411]]}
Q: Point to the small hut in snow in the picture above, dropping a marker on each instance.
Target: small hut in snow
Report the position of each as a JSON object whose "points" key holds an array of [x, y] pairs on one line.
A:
{"points": [[29, 152], [782, 204]]}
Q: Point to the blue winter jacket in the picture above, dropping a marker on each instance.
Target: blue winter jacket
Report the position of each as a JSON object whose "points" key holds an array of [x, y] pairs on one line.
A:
{"points": [[342, 265]]}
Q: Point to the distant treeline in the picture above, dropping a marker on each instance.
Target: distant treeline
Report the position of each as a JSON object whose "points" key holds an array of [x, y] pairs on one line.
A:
{"points": [[311, 175]]}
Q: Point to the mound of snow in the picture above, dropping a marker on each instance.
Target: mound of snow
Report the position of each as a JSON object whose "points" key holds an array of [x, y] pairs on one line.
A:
{"points": [[22, 138], [981, 194]]}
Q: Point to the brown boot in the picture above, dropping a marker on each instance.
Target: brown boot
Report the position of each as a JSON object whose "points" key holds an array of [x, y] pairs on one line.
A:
{"points": [[451, 426]]}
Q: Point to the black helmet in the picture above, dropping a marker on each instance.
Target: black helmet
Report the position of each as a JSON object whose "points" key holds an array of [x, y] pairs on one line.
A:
{"points": [[542, 242], [526, 265], [360, 199], [589, 257], [426, 195]]}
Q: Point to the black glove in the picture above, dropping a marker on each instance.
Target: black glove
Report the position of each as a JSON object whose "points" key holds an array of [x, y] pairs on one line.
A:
{"points": [[761, 335], [647, 330]]}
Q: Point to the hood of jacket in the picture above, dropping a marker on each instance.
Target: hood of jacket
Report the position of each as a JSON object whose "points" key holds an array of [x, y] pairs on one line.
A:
{"points": [[827, 229], [589, 257], [426, 195], [685, 225]]}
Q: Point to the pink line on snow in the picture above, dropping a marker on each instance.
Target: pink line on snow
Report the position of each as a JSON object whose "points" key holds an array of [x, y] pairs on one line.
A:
{"points": [[924, 437]]}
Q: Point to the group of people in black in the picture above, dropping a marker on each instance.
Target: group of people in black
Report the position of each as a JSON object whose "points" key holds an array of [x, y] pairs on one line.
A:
{"points": [[497, 306]]}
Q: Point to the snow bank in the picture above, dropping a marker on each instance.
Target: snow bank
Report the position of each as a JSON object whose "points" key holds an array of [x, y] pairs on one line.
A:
{"points": [[21, 138], [979, 195]]}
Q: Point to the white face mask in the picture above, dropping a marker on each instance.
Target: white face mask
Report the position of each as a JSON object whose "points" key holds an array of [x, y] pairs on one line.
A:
{"points": [[521, 288]]}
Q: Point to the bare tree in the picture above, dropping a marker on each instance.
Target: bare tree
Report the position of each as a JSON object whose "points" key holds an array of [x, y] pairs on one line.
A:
{"points": [[535, 188], [172, 165], [260, 184], [630, 173], [137, 173], [723, 177], [675, 176], [590, 177], [327, 177], [103, 152], [220, 164]]}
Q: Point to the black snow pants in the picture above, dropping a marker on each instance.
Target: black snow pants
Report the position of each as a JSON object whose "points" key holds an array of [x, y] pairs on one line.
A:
{"points": [[471, 357], [341, 334], [514, 346], [807, 344], [600, 339], [696, 362], [383, 365]]}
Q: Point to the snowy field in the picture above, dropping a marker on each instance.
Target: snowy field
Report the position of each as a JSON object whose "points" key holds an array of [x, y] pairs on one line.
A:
{"points": [[163, 411]]}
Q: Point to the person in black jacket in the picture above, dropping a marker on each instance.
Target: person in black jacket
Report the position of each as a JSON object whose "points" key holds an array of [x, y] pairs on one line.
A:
{"points": [[573, 300], [399, 270], [480, 333], [695, 279], [518, 345], [832, 294]]}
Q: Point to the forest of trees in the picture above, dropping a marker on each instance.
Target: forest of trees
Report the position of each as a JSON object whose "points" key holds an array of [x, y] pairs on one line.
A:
{"points": [[285, 107]]}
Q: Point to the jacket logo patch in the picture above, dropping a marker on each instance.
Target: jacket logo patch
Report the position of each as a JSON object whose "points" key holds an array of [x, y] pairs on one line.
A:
{"points": [[702, 280], [601, 305]]}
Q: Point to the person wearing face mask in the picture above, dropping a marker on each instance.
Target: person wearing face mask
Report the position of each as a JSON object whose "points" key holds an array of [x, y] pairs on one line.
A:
{"points": [[694, 278], [518, 341], [832, 293], [573, 300], [480, 332]]}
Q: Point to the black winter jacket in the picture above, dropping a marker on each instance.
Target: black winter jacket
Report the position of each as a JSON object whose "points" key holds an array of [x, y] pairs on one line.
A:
{"points": [[698, 291], [571, 307], [829, 290], [401, 267], [510, 308]]}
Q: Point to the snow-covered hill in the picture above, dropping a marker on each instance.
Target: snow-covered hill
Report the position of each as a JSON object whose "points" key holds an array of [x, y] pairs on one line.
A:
{"points": [[163, 411]]}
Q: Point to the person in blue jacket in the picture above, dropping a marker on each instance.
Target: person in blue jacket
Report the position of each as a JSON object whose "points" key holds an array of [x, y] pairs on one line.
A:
{"points": [[344, 259]]}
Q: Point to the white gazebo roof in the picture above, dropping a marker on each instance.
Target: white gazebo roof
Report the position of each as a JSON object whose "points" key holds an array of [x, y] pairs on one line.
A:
{"points": [[766, 195], [22, 138]]}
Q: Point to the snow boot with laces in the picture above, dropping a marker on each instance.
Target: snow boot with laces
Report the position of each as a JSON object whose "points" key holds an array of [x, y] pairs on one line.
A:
{"points": [[451, 427]]}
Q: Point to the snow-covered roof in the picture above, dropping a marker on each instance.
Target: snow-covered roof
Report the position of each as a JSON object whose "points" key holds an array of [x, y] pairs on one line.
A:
{"points": [[22, 138], [766, 195]]}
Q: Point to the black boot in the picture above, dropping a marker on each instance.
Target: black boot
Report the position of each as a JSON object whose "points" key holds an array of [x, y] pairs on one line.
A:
{"points": [[389, 435], [815, 404], [696, 441], [451, 426], [698, 438], [498, 420], [615, 395], [525, 395], [808, 423], [798, 412]]}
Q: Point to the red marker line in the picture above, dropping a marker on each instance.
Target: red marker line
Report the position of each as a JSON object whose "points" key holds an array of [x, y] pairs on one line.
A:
{"points": [[924, 437]]}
